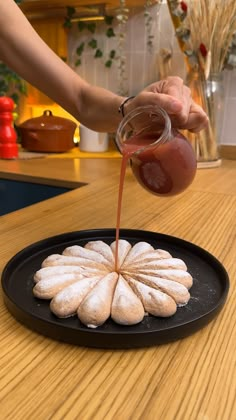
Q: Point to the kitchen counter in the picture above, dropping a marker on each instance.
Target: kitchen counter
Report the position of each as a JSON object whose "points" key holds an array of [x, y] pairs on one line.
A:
{"points": [[59, 171], [192, 378]]}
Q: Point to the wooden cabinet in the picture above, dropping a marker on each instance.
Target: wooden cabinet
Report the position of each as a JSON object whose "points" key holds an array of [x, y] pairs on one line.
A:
{"points": [[47, 18], [47, 8]]}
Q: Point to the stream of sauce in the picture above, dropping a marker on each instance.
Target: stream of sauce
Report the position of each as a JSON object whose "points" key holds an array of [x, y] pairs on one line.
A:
{"points": [[124, 162], [164, 170]]}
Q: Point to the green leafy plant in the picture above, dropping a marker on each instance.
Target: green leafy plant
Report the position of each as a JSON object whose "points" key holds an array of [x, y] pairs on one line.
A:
{"points": [[91, 27], [10, 83]]}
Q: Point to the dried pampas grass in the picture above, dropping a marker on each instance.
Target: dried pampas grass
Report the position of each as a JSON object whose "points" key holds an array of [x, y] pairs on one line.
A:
{"points": [[212, 23], [209, 24]]}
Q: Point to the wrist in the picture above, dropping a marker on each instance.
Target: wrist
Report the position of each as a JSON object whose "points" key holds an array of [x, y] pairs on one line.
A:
{"points": [[123, 106]]}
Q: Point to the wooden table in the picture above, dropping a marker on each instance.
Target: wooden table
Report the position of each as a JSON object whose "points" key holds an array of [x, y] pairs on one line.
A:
{"points": [[193, 378]]}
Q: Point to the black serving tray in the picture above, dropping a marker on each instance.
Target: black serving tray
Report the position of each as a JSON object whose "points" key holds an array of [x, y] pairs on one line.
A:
{"points": [[208, 293]]}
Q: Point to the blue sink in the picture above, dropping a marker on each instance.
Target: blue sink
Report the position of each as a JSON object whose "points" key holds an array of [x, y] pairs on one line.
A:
{"points": [[15, 194]]}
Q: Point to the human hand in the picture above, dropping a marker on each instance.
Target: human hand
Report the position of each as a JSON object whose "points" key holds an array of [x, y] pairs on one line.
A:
{"points": [[175, 98]]}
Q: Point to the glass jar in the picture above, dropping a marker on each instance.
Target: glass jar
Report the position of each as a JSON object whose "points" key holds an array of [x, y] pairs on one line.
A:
{"points": [[209, 94], [161, 158]]}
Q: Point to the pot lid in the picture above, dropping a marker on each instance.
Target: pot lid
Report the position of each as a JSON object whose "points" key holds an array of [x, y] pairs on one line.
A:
{"points": [[48, 121]]}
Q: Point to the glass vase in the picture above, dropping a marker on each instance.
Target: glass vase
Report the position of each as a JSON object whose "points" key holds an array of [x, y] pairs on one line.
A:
{"points": [[209, 95]]}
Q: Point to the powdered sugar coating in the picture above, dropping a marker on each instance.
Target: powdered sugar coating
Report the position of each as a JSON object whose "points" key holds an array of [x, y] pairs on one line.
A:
{"points": [[83, 281]]}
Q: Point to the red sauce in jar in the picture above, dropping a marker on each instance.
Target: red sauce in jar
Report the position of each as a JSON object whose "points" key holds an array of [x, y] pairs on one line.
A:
{"points": [[165, 169]]}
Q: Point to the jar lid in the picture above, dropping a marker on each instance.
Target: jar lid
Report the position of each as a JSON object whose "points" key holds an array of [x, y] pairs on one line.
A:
{"points": [[48, 121]]}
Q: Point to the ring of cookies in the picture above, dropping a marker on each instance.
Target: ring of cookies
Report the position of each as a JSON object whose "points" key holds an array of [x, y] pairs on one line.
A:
{"points": [[83, 281]]}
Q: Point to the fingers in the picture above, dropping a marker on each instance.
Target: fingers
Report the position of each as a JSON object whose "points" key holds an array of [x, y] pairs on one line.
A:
{"points": [[197, 119], [170, 104], [175, 98], [173, 91], [174, 87], [184, 115]]}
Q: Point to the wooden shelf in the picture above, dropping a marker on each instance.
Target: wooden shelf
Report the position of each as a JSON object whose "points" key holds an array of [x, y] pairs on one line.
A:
{"points": [[47, 8]]}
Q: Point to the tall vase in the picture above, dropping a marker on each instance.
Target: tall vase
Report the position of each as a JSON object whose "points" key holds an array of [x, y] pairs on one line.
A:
{"points": [[209, 95]]}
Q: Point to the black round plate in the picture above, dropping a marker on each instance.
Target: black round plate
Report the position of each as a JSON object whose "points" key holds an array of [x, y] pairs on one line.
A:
{"points": [[208, 293]]}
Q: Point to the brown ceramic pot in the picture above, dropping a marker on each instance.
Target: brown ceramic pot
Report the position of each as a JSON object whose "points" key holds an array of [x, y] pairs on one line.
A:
{"points": [[47, 133]]}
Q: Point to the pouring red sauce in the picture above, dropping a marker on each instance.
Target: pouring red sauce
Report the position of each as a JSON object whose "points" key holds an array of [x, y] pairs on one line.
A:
{"points": [[162, 159]]}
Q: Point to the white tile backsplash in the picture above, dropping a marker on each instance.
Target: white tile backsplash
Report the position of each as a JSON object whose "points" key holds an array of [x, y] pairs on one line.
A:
{"points": [[141, 64], [229, 124]]}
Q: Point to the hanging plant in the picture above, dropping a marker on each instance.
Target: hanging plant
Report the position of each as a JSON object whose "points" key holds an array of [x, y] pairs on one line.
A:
{"points": [[10, 83], [122, 16], [92, 43], [148, 17], [70, 12]]}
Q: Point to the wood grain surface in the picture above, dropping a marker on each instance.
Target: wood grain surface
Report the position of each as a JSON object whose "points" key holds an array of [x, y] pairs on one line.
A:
{"points": [[190, 379]]}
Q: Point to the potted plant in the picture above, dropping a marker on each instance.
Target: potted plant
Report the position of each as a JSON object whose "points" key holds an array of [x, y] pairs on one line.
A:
{"points": [[11, 84]]}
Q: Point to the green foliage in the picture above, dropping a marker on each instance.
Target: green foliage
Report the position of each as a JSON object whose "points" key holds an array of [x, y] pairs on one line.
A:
{"points": [[70, 13], [80, 49], [81, 25], [112, 55], [110, 33], [92, 43], [91, 27], [109, 20], [78, 62], [11, 84], [98, 53]]}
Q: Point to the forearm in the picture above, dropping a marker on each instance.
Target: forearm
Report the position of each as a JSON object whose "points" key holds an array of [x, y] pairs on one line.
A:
{"points": [[100, 109], [26, 53]]}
